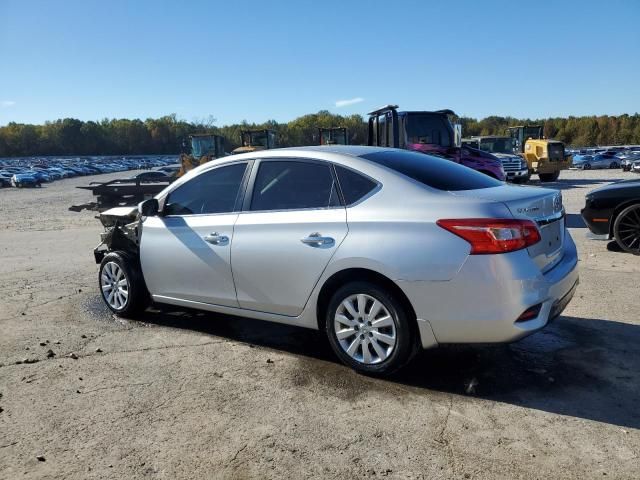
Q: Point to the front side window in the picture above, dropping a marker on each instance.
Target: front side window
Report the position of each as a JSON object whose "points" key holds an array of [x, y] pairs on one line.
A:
{"points": [[214, 191], [497, 145], [289, 185]]}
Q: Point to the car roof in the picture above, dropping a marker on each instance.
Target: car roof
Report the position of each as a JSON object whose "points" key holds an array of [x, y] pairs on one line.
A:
{"points": [[347, 155]]}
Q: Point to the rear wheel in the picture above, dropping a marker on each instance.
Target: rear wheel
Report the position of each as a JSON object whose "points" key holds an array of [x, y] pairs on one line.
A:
{"points": [[586, 166], [626, 229], [549, 177], [369, 329], [122, 285]]}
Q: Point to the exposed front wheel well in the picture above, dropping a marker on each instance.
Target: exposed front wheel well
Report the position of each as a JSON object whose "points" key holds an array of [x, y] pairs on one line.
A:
{"points": [[343, 277]]}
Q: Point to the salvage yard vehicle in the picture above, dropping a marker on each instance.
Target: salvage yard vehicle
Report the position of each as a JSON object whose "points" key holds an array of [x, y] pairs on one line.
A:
{"points": [[255, 140], [627, 162], [5, 180], [204, 148], [21, 180], [429, 132], [613, 211], [387, 251], [594, 162], [515, 167], [545, 157], [333, 136]]}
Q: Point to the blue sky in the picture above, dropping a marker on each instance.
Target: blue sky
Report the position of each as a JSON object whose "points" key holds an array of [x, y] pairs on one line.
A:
{"points": [[259, 60]]}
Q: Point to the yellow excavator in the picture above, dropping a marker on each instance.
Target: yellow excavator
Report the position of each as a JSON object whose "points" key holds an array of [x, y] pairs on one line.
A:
{"points": [[204, 148], [254, 140], [544, 156]]}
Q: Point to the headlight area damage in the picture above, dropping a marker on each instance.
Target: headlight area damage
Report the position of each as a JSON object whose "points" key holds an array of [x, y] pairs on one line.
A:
{"points": [[122, 228]]}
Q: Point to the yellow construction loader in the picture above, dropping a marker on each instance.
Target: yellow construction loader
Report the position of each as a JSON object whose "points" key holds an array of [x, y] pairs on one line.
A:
{"points": [[204, 148], [253, 140], [544, 156]]}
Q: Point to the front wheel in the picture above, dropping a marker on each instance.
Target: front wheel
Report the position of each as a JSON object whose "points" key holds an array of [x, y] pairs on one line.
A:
{"points": [[626, 229], [121, 284], [586, 166], [369, 329], [549, 177]]}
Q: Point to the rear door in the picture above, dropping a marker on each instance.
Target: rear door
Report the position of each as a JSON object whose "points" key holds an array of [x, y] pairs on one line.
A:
{"points": [[290, 227]]}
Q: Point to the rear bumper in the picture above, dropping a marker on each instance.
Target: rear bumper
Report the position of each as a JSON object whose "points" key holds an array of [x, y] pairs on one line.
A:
{"points": [[483, 301]]}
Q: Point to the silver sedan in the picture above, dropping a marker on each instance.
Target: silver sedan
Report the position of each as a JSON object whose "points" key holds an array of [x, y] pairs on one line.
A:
{"points": [[387, 251]]}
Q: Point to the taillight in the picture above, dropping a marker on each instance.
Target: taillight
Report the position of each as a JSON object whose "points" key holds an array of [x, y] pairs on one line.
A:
{"points": [[493, 235]]}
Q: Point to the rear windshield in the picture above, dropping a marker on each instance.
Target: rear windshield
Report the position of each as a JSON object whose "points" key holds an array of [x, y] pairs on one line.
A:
{"points": [[432, 171]]}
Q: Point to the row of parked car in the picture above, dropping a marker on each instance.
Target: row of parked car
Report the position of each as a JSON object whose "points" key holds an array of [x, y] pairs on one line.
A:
{"points": [[33, 172], [627, 159]]}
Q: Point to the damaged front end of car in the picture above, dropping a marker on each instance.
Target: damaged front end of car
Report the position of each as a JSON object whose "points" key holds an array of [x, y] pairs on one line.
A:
{"points": [[122, 232]]}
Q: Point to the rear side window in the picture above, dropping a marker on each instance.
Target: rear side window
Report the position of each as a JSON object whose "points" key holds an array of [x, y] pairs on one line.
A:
{"points": [[214, 191], [353, 185], [291, 185], [434, 172]]}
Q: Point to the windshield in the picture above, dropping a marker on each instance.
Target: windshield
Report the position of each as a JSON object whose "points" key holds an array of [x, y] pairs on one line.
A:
{"points": [[333, 137], [201, 146], [429, 128], [257, 139], [496, 145]]}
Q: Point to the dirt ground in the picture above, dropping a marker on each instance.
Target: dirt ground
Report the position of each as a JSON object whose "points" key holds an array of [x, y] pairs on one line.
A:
{"points": [[196, 395]]}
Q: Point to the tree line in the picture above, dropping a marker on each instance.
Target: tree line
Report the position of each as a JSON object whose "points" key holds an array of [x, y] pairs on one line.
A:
{"points": [[165, 135]]}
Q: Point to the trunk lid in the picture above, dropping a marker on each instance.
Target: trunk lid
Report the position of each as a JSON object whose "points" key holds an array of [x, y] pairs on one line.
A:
{"points": [[543, 206]]}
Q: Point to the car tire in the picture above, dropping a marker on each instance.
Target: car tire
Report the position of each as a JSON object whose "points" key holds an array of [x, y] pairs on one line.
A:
{"points": [[357, 341], [549, 177], [122, 285], [586, 166], [626, 229]]}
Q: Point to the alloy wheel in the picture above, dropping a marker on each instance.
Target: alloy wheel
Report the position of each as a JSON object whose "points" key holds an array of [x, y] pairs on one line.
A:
{"points": [[365, 329], [628, 230], [114, 285]]}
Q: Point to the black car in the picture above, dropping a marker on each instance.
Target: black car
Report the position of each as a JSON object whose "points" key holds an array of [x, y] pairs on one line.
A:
{"points": [[614, 210]]}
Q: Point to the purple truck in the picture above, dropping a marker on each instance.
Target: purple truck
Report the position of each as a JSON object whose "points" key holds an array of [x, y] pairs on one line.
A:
{"points": [[431, 133]]}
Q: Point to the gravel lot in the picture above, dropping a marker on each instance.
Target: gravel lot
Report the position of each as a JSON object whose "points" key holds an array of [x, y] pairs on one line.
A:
{"points": [[194, 395]]}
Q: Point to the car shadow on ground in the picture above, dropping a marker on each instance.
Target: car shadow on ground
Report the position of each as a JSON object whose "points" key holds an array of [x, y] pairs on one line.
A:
{"points": [[580, 367], [574, 220]]}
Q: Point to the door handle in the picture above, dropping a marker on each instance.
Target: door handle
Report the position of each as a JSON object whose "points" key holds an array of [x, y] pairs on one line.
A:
{"points": [[216, 239], [317, 240]]}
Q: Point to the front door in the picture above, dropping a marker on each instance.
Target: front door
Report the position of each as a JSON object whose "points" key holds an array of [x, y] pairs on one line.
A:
{"points": [[285, 237], [186, 252]]}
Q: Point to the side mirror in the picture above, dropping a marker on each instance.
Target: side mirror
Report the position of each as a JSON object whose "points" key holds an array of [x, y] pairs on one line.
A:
{"points": [[148, 208], [457, 135]]}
